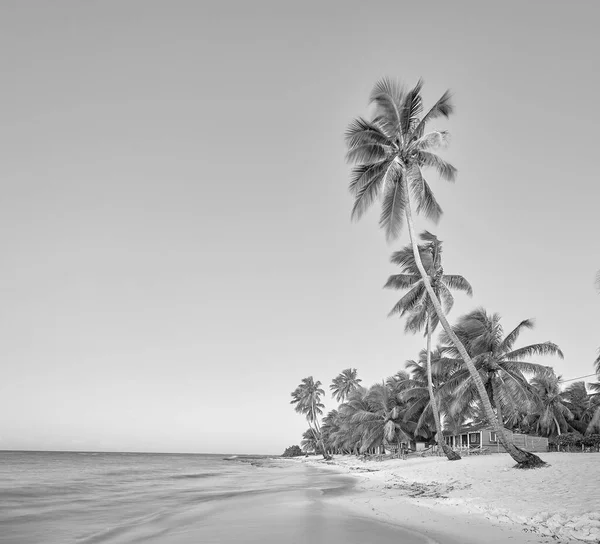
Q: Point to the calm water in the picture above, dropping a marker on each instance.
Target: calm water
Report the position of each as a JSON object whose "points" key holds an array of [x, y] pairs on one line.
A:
{"points": [[52, 498]]}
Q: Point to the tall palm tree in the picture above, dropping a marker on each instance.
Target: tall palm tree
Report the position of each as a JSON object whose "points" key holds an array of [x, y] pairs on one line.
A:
{"points": [[417, 305], [307, 400], [390, 152], [344, 383], [549, 409], [499, 365]]}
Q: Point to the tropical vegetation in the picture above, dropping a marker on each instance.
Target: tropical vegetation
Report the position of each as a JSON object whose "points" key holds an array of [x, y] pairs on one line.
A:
{"points": [[475, 374]]}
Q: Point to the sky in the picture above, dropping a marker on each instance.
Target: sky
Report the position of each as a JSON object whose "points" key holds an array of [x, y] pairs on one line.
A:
{"points": [[177, 250]]}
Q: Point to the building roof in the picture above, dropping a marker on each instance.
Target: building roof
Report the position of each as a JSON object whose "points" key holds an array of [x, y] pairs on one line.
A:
{"points": [[472, 428]]}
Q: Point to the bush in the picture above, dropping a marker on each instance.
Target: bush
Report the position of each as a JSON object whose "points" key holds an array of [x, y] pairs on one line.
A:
{"points": [[592, 441], [569, 441], [293, 451]]}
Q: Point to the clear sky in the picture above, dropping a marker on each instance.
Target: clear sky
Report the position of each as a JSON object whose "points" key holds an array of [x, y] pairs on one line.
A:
{"points": [[177, 252]]}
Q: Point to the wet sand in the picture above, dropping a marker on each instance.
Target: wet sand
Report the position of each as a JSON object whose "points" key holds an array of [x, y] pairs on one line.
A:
{"points": [[314, 512]]}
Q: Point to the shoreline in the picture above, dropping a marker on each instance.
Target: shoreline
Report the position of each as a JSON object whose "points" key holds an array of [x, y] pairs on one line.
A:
{"points": [[478, 498]]}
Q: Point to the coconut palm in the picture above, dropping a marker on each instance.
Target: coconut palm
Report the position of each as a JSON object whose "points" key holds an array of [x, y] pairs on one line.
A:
{"points": [[594, 408], [390, 152], [344, 383], [417, 305], [417, 394], [309, 442], [549, 409], [375, 416], [584, 406], [330, 426], [307, 400], [499, 364]]}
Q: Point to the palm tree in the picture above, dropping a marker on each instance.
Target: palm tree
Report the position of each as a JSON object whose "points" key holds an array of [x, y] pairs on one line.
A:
{"points": [[344, 383], [390, 152], [499, 365], [307, 398], [331, 426], [584, 406], [375, 416], [594, 408], [417, 394], [549, 409], [309, 443], [417, 305]]}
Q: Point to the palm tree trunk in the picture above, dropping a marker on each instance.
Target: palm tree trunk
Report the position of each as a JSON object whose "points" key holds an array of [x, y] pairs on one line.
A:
{"points": [[523, 458], [448, 451], [557, 425], [496, 394]]}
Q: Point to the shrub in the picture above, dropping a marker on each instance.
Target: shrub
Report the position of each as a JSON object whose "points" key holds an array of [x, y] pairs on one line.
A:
{"points": [[292, 451], [568, 441], [592, 441]]}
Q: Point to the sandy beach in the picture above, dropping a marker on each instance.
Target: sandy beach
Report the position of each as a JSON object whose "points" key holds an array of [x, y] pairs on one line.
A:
{"points": [[480, 498]]}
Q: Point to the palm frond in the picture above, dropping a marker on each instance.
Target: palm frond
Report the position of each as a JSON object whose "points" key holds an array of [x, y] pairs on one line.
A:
{"points": [[545, 348], [443, 107], [369, 185], [457, 282], [360, 132], [408, 302], [412, 106], [416, 320], [402, 281], [446, 298], [433, 140], [365, 174], [388, 96], [444, 169], [426, 202], [392, 209], [512, 336], [369, 153]]}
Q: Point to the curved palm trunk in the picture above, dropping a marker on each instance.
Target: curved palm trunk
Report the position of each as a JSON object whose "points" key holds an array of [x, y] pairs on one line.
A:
{"points": [[557, 425], [317, 434], [523, 458], [448, 451]]}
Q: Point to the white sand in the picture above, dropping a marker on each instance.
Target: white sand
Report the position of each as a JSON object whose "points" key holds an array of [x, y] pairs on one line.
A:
{"points": [[438, 497]]}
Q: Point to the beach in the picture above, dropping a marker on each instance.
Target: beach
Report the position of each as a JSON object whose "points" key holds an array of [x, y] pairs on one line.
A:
{"points": [[480, 498], [122, 498], [125, 498]]}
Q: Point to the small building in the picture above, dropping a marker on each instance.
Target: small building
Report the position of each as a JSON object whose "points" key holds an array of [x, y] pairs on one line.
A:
{"points": [[472, 437]]}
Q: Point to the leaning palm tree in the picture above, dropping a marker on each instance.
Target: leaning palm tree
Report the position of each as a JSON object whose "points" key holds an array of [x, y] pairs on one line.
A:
{"points": [[417, 305], [390, 152], [344, 383], [499, 364], [307, 400]]}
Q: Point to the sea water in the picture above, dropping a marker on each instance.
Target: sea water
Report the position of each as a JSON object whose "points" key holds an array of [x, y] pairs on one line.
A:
{"points": [[115, 498]]}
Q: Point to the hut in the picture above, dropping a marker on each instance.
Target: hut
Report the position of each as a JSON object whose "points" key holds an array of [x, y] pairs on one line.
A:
{"points": [[483, 437]]}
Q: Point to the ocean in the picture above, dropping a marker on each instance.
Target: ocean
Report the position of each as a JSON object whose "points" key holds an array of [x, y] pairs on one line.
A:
{"points": [[116, 498]]}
